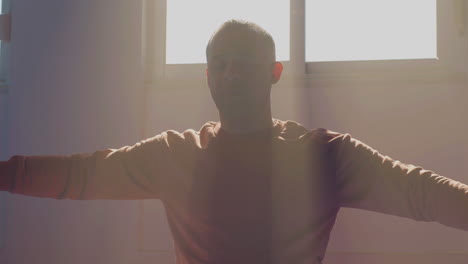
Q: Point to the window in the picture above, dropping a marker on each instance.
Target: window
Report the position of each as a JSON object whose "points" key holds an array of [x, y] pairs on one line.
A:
{"points": [[368, 30], [188, 32], [319, 44], [5, 25], [5, 8]]}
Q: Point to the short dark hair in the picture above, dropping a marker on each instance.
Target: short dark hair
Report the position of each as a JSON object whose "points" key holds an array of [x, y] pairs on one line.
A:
{"points": [[248, 26]]}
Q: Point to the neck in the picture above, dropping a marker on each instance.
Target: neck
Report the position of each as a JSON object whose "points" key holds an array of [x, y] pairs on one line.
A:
{"points": [[246, 124]]}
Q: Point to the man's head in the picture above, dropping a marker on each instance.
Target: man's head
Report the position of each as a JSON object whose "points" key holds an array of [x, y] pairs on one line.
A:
{"points": [[242, 67]]}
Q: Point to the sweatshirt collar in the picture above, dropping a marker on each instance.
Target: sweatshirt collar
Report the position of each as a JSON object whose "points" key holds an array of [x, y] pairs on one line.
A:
{"points": [[218, 131]]}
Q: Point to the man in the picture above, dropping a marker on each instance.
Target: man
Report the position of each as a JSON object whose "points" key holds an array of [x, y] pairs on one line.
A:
{"points": [[250, 188]]}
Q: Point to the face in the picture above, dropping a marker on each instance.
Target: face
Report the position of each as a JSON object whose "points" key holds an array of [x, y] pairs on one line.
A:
{"points": [[240, 73]]}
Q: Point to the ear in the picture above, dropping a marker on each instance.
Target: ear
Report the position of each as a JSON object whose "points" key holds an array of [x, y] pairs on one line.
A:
{"points": [[207, 78], [277, 70]]}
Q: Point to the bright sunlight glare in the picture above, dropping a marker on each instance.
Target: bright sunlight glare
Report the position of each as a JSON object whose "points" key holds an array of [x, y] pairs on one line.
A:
{"points": [[338, 30], [190, 25]]}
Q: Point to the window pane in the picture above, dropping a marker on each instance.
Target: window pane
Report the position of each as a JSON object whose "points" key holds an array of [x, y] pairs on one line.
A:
{"points": [[338, 30], [1, 12], [191, 23]]}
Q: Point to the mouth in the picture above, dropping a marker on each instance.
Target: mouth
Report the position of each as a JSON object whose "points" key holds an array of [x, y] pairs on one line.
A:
{"points": [[237, 95]]}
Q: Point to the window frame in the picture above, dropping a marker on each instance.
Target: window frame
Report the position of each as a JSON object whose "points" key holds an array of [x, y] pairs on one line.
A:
{"points": [[445, 68], [4, 70], [4, 56]]}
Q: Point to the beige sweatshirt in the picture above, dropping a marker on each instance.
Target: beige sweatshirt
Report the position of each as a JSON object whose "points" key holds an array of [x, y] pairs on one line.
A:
{"points": [[266, 197]]}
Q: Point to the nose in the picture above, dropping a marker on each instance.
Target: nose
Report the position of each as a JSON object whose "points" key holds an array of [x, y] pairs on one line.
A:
{"points": [[232, 70]]}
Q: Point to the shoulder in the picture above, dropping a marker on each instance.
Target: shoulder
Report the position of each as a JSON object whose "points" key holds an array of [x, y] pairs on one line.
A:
{"points": [[172, 137], [293, 129], [290, 129], [190, 136], [334, 141], [343, 145], [337, 141], [328, 136]]}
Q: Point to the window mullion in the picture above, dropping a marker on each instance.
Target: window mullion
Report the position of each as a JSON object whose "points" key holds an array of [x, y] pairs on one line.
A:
{"points": [[297, 37], [154, 50]]}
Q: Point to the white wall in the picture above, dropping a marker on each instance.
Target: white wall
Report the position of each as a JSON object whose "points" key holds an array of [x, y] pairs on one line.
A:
{"points": [[77, 86]]}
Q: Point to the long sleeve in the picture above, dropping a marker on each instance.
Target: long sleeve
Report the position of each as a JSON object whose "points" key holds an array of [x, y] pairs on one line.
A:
{"points": [[368, 180], [131, 172]]}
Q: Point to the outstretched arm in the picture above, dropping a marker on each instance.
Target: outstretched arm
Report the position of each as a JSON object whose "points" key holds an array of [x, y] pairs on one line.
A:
{"points": [[368, 180], [131, 172]]}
